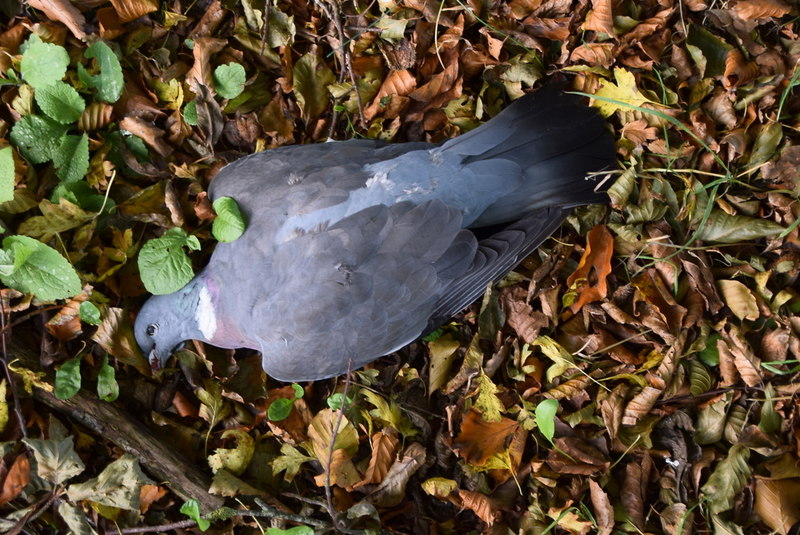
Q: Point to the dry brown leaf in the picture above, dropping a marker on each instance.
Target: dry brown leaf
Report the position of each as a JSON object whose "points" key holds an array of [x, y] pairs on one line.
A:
{"points": [[640, 405], [601, 17], [576, 456], [343, 472], [397, 83], [148, 495], [737, 348], [115, 335], [758, 9], [16, 479], [480, 439], [129, 10], [638, 132], [556, 29], [738, 71], [612, 407], [603, 510], [201, 71], [150, 134], [110, 25], [64, 12], [521, 316], [392, 490], [778, 503], [775, 344], [594, 54], [634, 488], [479, 504], [65, 325], [589, 280], [384, 450]]}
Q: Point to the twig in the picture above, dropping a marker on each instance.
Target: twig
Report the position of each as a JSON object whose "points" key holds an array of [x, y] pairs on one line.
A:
{"points": [[154, 529], [12, 386], [334, 433], [331, 9], [270, 512]]}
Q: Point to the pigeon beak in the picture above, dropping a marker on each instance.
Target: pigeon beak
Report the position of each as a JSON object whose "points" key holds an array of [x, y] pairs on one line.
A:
{"points": [[152, 357]]}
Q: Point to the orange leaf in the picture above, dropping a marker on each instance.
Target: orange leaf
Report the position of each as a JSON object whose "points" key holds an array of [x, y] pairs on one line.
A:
{"points": [[18, 476], [150, 494], [384, 450], [596, 259], [757, 9], [600, 18], [480, 439], [479, 504]]}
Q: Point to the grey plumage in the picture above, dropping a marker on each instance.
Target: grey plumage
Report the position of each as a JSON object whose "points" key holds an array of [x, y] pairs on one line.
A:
{"points": [[356, 248]]}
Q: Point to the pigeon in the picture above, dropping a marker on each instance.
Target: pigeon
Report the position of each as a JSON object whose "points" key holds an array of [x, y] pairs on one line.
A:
{"points": [[355, 249]]}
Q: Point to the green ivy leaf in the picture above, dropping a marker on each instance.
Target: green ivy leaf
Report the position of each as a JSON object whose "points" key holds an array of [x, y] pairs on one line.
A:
{"points": [[229, 224], [39, 270], [60, 102], [280, 409], [190, 113], [89, 313], [68, 378], [43, 63], [107, 386], [163, 265], [109, 82], [37, 137], [72, 158], [191, 508], [229, 80], [6, 174], [546, 418]]}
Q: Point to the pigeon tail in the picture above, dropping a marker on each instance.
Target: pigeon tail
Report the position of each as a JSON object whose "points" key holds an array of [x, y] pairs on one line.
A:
{"points": [[548, 137]]}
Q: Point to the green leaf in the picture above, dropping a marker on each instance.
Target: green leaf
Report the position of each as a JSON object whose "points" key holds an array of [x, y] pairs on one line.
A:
{"points": [[56, 460], [298, 391], [297, 530], [229, 224], [229, 80], [280, 409], [6, 174], [37, 137], [60, 102], [72, 158], [623, 94], [723, 228], [311, 80], [546, 418], [163, 265], [81, 194], [715, 50], [40, 270], [190, 113], [75, 519], [107, 386], [89, 313], [729, 477], [43, 63], [68, 378], [191, 508], [109, 82], [336, 400]]}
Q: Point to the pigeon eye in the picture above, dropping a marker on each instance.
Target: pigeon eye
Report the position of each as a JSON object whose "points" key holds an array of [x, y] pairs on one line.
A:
{"points": [[151, 329]]}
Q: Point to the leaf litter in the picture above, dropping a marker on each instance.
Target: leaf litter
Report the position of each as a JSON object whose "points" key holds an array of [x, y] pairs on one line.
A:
{"points": [[637, 373]]}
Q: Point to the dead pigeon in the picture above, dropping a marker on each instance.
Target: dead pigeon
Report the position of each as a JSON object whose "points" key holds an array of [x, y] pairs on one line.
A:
{"points": [[357, 248]]}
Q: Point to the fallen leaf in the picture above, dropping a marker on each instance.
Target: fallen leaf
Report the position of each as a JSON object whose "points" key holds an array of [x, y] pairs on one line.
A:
{"points": [[479, 440], [588, 281]]}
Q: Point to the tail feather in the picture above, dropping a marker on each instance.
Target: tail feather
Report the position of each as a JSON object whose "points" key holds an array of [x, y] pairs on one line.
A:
{"points": [[554, 139]]}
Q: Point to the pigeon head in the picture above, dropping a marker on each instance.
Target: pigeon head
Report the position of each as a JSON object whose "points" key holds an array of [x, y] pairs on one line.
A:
{"points": [[164, 322]]}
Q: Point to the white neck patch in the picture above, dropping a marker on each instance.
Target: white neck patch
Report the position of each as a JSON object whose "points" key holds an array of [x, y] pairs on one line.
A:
{"points": [[205, 315]]}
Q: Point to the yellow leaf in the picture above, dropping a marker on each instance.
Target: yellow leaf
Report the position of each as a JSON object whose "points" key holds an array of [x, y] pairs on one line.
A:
{"points": [[624, 94], [488, 403]]}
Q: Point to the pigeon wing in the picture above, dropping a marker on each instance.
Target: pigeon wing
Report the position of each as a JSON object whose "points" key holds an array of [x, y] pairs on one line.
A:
{"points": [[345, 295]]}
